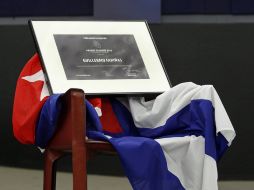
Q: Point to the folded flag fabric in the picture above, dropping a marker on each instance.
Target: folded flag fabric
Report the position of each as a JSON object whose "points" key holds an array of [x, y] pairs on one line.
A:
{"points": [[31, 93], [172, 142]]}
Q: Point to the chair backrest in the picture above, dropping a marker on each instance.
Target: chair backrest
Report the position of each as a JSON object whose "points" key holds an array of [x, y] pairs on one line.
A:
{"points": [[71, 123]]}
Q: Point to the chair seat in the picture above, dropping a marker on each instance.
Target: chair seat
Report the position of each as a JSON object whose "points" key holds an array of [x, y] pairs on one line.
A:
{"points": [[92, 146], [102, 146]]}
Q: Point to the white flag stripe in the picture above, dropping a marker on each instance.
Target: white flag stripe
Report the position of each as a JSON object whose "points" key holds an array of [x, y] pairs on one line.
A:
{"points": [[155, 113], [187, 160]]}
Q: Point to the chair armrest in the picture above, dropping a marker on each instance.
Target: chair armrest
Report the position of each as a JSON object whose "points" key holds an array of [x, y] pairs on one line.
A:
{"points": [[71, 123]]}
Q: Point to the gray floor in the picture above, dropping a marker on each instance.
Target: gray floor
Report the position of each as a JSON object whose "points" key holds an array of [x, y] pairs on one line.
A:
{"points": [[18, 179]]}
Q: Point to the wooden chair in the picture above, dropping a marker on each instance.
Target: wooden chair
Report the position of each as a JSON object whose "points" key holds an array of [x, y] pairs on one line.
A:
{"points": [[70, 139]]}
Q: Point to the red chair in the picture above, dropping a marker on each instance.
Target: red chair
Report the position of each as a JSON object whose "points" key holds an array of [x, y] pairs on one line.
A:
{"points": [[70, 139]]}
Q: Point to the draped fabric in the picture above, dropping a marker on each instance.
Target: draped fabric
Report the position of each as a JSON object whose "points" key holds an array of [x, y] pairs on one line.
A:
{"points": [[171, 142]]}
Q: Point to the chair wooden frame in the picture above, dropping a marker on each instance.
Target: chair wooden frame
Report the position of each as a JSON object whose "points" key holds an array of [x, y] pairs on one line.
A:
{"points": [[70, 138]]}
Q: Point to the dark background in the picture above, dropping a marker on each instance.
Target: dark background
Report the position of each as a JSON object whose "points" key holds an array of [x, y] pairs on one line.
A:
{"points": [[218, 54], [12, 8]]}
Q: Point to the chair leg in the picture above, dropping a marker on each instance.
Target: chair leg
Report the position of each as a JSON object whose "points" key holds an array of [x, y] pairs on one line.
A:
{"points": [[50, 158], [79, 168]]}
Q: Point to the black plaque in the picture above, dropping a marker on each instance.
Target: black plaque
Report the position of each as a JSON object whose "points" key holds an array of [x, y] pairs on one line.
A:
{"points": [[100, 57]]}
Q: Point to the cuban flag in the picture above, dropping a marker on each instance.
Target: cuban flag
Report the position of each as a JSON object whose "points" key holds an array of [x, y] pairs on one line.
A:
{"points": [[171, 142], [31, 94]]}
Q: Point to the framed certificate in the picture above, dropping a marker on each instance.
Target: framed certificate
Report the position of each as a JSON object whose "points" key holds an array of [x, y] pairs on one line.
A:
{"points": [[100, 57]]}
